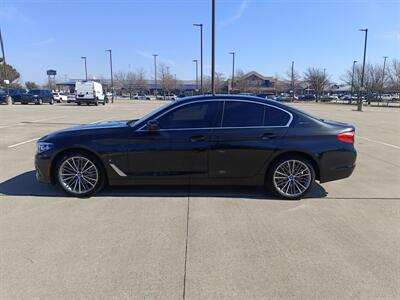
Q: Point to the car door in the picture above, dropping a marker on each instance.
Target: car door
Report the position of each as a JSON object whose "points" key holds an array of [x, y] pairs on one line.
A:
{"points": [[249, 133], [179, 148]]}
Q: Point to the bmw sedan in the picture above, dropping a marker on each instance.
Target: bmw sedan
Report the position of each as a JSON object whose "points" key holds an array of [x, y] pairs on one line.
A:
{"points": [[205, 140]]}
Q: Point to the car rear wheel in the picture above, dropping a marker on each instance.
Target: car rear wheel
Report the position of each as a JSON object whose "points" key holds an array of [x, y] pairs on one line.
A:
{"points": [[291, 177], [51, 101], [80, 174]]}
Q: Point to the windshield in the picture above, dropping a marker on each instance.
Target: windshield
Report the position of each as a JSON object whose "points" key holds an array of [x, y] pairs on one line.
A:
{"points": [[149, 115]]}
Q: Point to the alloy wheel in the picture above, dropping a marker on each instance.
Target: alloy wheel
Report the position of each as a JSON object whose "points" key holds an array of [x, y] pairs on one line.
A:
{"points": [[78, 175], [292, 178]]}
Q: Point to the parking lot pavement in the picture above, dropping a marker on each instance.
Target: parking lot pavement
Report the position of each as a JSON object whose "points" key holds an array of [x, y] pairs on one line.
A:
{"points": [[204, 243]]}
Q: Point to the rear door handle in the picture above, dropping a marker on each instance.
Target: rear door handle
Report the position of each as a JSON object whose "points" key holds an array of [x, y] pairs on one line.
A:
{"points": [[269, 136], [198, 138]]}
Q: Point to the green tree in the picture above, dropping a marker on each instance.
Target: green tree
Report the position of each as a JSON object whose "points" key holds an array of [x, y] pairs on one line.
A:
{"points": [[8, 72]]}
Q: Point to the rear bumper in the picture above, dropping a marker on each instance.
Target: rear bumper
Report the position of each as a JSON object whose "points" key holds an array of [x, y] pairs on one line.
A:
{"points": [[337, 165]]}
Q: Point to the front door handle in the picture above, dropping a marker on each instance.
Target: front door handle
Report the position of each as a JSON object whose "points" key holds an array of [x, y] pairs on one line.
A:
{"points": [[198, 138], [269, 136]]}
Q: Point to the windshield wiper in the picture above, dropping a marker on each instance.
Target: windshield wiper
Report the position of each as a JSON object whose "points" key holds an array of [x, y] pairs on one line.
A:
{"points": [[131, 121]]}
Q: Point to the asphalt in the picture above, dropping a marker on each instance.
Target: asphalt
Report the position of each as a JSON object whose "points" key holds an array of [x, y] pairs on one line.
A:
{"points": [[341, 242]]}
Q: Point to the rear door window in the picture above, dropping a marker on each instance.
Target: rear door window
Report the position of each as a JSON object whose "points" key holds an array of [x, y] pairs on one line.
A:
{"points": [[275, 117], [243, 114]]}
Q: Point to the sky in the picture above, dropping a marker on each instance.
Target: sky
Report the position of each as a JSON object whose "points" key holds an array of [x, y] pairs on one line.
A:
{"points": [[267, 35]]}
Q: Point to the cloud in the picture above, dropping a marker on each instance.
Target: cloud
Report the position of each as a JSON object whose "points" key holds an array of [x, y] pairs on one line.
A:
{"points": [[239, 13], [42, 42], [11, 13], [149, 55], [393, 35]]}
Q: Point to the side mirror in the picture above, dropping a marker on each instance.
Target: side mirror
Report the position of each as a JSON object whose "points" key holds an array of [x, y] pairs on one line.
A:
{"points": [[153, 125]]}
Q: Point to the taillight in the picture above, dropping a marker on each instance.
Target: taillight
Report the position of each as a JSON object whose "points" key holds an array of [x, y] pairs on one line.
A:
{"points": [[347, 137]]}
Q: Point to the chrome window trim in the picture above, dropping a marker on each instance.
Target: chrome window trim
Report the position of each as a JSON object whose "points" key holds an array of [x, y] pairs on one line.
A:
{"points": [[222, 117]]}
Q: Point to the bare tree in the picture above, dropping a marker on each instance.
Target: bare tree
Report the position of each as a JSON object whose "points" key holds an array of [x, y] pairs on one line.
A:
{"points": [[120, 79], [220, 82], [168, 81], [394, 76], [241, 83], [317, 80]]}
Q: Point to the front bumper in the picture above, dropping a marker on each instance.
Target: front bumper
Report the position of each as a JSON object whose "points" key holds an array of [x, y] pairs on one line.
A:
{"points": [[43, 168]]}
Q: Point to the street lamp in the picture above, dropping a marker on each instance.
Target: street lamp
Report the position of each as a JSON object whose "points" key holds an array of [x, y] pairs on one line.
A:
{"points": [[155, 73], [84, 58], [233, 68], [213, 50], [352, 82], [197, 73], [112, 79], [359, 101], [201, 56], [292, 81], [383, 77]]}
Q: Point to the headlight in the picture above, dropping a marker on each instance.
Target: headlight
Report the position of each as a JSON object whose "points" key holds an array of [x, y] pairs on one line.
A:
{"points": [[43, 147]]}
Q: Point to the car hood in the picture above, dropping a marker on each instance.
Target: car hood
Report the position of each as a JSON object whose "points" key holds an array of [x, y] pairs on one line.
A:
{"points": [[88, 129]]}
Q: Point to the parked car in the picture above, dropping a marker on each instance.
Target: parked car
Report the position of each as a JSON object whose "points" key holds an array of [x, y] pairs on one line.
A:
{"points": [[71, 98], [3, 95], [283, 98], [38, 96], [59, 97], [141, 97], [308, 97], [171, 97], [205, 140], [15, 94], [89, 92]]}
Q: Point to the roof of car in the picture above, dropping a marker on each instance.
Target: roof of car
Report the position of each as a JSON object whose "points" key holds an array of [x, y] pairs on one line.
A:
{"points": [[233, 97]]}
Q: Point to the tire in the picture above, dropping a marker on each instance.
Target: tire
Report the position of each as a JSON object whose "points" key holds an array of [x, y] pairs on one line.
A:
{"points": [[51, 101], [290, 177], [96, 102], [40, 102], [78, 103], [74, 182]]}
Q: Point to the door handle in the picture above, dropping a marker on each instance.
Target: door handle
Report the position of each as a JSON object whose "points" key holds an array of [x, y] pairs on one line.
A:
{"points": [[269, 136], [198, 138]]}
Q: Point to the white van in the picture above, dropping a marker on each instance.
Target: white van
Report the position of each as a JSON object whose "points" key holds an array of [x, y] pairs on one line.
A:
{"points": [[89, 92]]}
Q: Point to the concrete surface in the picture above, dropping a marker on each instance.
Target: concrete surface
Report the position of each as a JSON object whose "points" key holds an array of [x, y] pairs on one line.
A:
{"points": [[342, 242]]}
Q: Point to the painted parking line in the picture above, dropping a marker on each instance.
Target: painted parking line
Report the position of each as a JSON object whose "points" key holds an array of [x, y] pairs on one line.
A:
{"points": [[379, 142], [23, 143], [30, 122]]}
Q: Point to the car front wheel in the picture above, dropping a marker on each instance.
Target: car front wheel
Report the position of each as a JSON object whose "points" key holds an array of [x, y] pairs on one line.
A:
{"points": [[291, 177], [80, 174]]}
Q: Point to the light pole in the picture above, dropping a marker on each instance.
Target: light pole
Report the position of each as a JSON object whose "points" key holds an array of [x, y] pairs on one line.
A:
{"points": [[233, 68], [8, 99], [155, 74], [197, 73], [383, 77], [201, 56], [292, 81], [84, 58], [352, 82], [213, 50], [359, 101], [112, 79]]}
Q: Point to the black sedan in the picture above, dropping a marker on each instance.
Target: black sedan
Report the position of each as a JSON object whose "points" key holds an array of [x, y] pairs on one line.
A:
{"points": [[207, 140], [38, 96]]}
